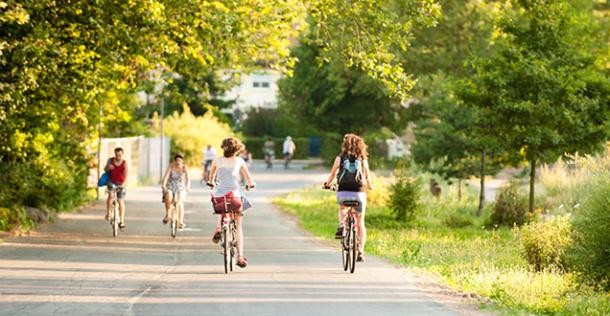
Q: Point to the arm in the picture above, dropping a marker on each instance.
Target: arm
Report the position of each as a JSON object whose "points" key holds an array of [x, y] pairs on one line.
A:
{"points": [[187, 178], [367, 176], [246, 174], [126, 175], [333, 171], [165, 178], [109, 165], [213, 170]]}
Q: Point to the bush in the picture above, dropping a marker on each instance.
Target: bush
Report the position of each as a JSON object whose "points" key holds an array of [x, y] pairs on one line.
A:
{"points": [[510, 207], [331, 147], [379, 195], [457, 220], [590, 252], [405, 193], [544, 243], [255, 146], [190, 133]]}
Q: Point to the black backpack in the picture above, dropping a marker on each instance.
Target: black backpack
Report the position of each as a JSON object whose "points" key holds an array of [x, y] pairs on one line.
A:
{"points": [[350, 173]]}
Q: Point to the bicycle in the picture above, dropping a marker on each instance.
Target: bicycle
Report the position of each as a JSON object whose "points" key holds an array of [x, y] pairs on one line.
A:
{"points": [[228, 237], [173, 212], [114, 219], [349, 240]]}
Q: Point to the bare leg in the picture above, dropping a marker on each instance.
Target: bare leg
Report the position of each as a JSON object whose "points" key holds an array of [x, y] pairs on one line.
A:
{"points": [[240, 234], [341, 215], [122, 211], [180, 211], [168, 202], [109, 204], [361, 233]]}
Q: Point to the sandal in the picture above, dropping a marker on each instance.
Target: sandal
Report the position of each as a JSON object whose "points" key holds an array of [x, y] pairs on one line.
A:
{"points": [[242, 262], [181, 225], [360, 257], [165, 220], [107, 217], [122, 225], [217, 236]]}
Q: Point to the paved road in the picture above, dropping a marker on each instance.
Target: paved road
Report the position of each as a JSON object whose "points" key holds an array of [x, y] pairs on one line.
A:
{"points": [[75, 267]]}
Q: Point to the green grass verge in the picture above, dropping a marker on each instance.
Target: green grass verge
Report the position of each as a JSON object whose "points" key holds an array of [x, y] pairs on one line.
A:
{"points": [[469, 258]]}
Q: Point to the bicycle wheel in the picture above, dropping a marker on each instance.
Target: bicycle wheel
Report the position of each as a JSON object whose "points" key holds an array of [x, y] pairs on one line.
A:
{"points": [[115, 219], [345, 250], [233, 258], [174, 224], [353, 248], [226, 246]]}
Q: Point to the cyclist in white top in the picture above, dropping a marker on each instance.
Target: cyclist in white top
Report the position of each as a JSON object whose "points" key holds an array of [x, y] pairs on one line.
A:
{"points": [[208, 156], [224, 177]]}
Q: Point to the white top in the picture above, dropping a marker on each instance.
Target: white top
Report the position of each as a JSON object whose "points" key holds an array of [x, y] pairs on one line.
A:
{"points": [[288, 146], [227, 175], [209, 154]]}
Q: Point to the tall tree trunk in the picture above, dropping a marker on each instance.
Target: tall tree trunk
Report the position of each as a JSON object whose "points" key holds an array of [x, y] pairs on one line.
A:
{"points": [[482, 190], [532, 180], [459, 190]]}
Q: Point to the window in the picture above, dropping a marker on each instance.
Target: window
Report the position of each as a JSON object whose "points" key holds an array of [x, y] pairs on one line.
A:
{"points": [[256, 84], [265, 84]]}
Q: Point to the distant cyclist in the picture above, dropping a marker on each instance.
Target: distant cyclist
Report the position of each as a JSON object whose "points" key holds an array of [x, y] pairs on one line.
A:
{"points": [[208, 156], [176, 180], [119, 172], [269, 152], [224, 176], [351, 170], [288, 149]]}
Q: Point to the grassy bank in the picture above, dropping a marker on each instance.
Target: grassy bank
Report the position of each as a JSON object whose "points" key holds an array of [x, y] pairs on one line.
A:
{"points": [[451, 243]]}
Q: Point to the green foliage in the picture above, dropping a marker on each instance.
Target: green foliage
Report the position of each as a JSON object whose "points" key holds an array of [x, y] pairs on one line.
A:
{"points": [[331, 147], [543, 89], [255, 146], [590, 253], [120, 118], [272, 122], [404, 199], [457, 220], [335, 98], [545, 243], [190, 134], [510, 207]]}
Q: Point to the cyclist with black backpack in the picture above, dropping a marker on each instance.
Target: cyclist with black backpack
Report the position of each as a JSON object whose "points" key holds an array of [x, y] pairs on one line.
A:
{"points": [[351, 170]]}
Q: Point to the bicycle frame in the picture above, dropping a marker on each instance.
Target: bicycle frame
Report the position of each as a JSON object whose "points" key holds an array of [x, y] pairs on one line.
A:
{"points": [[350, 240]]}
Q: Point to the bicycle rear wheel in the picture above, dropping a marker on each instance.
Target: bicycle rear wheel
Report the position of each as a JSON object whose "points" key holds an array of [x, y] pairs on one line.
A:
{"points": [[353, 248], [345, 250], [226, 246], [115, 219], [233, 259]]}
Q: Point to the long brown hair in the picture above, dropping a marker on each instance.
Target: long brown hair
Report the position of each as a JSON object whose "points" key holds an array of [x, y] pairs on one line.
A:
{"points": [[353, 145]]}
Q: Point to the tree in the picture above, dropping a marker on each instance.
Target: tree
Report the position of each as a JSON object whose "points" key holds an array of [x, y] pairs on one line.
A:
{"points": [[334, 98], [543, 90]]}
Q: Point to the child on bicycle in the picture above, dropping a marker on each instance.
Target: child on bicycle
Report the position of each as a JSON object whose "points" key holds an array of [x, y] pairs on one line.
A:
{"points": [[176, 181], [351, 170], [225, 177]]}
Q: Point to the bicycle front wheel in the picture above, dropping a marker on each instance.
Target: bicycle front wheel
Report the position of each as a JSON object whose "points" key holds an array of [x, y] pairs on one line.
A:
{"points": [[115, 219], [345, 250], [233, 258]]}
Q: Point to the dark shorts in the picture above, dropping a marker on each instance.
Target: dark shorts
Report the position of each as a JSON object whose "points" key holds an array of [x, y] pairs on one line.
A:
{"points": [[207, 165], [120, 193]]}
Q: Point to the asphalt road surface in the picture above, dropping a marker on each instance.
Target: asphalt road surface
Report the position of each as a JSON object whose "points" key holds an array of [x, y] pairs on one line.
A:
{"points": [[75, 267]]}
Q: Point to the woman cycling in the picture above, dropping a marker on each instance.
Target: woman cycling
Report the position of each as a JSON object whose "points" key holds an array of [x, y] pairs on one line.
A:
{"points": [[224, 177], [176, 180], [351, 170]]}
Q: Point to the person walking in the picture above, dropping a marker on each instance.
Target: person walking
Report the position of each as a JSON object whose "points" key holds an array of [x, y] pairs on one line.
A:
{"points": [[288, 149]]}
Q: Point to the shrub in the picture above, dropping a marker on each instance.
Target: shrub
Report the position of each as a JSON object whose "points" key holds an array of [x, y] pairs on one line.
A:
{"points": [[405, 193], [379, 195], [544, 243], [190, 133], [457, 220], [510, 207], [590, 252]]}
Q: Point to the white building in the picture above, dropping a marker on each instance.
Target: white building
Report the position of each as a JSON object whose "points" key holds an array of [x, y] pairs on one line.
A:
{"points": [[255, 90]]}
